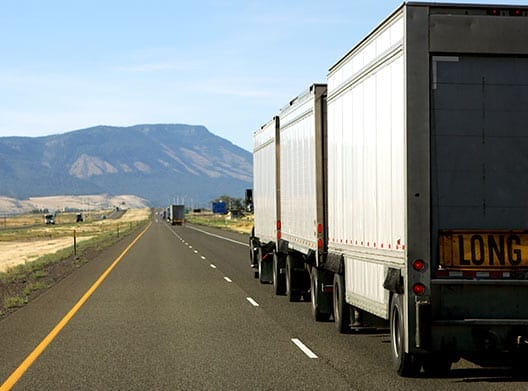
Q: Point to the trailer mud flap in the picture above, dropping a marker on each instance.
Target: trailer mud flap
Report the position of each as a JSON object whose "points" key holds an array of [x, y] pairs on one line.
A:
{"points": [[423, 324], [335, 263], [393, 281]]}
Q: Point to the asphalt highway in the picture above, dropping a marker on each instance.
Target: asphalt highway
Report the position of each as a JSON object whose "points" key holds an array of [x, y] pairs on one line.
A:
{"points": [[181, 310]]}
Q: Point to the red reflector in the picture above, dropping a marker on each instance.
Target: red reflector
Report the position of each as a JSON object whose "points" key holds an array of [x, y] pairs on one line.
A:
{"points": [[320, 243], [319, 228], [278, 224], [328, 288], [517, 12], [419, 289], [418, 265], [278, 235]]}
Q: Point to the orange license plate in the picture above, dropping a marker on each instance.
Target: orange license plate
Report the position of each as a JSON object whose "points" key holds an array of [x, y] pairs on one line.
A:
{"points": [[483, 250]]}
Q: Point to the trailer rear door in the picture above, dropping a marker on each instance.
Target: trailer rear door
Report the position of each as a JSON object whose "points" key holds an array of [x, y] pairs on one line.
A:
{"points": [[479, 157]]}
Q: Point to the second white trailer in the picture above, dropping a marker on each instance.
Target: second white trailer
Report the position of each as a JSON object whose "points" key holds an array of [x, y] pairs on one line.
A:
{"points": [[302, 202]]}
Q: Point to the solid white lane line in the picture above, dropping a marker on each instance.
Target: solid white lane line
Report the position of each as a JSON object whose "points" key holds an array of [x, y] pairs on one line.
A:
{"points": [[253, 302], [213, 266], [228, 279], [303, 347], [218, 236]]}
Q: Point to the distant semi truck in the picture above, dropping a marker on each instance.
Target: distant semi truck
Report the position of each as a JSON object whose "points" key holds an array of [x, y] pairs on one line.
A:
{"points": [[408, 203], [177, 214]]}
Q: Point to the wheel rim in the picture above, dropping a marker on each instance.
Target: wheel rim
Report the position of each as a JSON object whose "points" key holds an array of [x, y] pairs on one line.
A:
{"points": [[288, 287], [337, 302], [312, 290], [259, 260], [396, 335]]}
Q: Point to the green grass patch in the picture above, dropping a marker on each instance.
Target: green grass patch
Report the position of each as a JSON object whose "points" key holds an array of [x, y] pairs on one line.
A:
{"points": [[34, 286], [15, 301], [37, 274]]}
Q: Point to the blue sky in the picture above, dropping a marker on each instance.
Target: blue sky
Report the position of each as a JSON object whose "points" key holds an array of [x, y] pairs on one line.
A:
{"points": [[229, 65]]}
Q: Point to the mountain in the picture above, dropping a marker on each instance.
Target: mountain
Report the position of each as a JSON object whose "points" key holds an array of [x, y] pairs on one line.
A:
{"points": [[160, 163]]}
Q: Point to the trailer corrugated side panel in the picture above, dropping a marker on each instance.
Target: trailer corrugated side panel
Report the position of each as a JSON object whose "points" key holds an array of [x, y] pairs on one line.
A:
{"points": [[298, 174], [367, 163], [264, 182]]}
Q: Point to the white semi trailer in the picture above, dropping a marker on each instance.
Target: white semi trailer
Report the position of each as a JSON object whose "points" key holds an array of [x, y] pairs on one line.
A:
{"points": [[424, 185], [289, 185], [266, 231], [302, 245]]}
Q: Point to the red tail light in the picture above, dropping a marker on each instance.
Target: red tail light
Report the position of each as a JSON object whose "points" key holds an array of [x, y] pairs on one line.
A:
{"points": [[418, 289], [418, 265]]}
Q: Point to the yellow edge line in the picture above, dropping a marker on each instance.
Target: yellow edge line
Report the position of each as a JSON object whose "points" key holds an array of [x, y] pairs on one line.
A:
{"points": [[32, 357]]}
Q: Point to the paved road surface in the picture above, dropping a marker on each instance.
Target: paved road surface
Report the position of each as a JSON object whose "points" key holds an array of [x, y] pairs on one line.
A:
{"points": [[182, 311]]}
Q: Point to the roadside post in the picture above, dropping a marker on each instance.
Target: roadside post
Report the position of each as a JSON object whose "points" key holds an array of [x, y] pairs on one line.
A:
{"points": [[74, 242]]}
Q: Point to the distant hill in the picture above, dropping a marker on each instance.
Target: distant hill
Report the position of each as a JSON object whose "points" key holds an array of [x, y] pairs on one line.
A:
{"points": [[157, 162], [70, 203]]}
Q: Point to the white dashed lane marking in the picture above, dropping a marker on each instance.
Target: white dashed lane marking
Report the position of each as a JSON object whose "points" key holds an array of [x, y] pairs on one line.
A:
{"points": [[304, 348], [253, 302]]}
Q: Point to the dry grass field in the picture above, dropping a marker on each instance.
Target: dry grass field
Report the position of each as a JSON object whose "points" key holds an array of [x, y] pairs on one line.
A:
{"points": [[26, 238], [243, 224], [34, 256]]}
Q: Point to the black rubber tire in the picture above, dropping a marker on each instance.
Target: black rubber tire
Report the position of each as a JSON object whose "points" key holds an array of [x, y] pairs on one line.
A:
{"points": [[292, 293], [405, 364], [315, 296], [251, 252], [341, 307]]}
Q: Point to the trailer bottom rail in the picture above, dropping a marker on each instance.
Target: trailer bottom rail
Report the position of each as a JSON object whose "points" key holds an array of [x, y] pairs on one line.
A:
{"points": [[484, 322]]}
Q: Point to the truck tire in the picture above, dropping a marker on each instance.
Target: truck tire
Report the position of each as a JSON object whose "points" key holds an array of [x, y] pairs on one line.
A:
{"points": [[319, 306], [279, 280], [251, 252], [291, 291], [257, 260], [341, 307], [405, 364]]}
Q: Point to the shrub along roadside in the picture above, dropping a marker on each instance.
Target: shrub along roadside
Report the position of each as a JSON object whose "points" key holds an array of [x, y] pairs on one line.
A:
{"points": [[22, 283]]}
